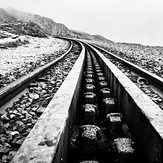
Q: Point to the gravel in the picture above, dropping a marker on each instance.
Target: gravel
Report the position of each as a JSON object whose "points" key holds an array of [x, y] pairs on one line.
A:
{"points": [[17, 62], [140, 82], [17, 120], [147, 57]]}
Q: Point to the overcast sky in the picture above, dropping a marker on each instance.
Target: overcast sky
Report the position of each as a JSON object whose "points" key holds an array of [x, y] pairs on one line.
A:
{"points": [[135, 21]]}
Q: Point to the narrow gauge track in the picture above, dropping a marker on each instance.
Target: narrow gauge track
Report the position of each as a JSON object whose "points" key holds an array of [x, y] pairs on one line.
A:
{"points": [[11, 90], [16, 73], [96, 116], [23, 101], [148, 82]]}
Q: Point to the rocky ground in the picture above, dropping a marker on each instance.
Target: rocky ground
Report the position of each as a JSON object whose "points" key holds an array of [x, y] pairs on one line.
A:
{"points": [[147, 57], [32, 52], [19, 118]]}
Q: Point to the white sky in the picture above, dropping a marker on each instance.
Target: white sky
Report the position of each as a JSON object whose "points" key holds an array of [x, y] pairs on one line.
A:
{"points": [[136, 21]]}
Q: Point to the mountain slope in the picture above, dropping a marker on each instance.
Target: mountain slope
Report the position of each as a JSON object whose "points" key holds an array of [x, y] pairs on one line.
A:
{"points": [[50, 27], [5, 16], [23, 28], [47, 24], [101, 38]]}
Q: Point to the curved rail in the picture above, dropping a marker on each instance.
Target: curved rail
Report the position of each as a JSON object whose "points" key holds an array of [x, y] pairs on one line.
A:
{"points": [[11, 90], [153, 79], [49, 140]]}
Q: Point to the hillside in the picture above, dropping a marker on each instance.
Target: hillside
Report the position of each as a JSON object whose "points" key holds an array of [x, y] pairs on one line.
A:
{"points": [[101, 38], [49, 26], [23, 28], [5, 17]]}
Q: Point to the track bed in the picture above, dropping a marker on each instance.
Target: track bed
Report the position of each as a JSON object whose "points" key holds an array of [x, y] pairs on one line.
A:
{"points": [[97, 115]]}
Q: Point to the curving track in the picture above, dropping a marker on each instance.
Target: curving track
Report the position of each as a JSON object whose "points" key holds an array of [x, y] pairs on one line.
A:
{"points": [[16, 87], [23, 101], [148, 82], [97, 115]]}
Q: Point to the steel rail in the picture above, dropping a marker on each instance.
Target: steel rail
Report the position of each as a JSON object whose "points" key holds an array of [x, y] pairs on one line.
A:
{"points": [[49, 142], [13, 89], [152, 78]]}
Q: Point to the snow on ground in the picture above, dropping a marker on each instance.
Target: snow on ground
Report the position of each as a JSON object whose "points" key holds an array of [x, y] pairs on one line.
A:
{"points": [[12, 58], [10, 39], [7, 34]]}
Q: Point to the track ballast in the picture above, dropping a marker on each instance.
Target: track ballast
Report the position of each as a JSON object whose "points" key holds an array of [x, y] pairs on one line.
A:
{"points": [[97, 115]]}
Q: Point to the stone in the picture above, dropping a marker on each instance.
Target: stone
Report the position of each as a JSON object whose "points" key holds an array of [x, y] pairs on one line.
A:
{"points": [[7, 126], [42, 79], [4, 117], [15, 112], [2, 129], [34, 109], [4, 149], [3, 139], [20, 126], [20, 141], [24, 112], [33, 85], [34, 96], [32, 113], [28, 104], [40, 110], [19, 109], [13, 133], [4, 159]]}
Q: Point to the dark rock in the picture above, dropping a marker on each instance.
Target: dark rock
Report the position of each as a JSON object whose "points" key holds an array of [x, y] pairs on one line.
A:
{"points": [[17, 142], [42, 79], [20, 126], [4, 149], [2, 129], [33, 85], [40, 111], [4, 117], [34, 109], [3, 139], [34, 96], [4, 159], [12, 116], [32, 113]]}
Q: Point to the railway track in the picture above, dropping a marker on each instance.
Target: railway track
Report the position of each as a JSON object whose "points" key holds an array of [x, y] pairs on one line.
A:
{"points": [[148, 82], [9, 91], [23, 101], [75, 128], [97, 115]]}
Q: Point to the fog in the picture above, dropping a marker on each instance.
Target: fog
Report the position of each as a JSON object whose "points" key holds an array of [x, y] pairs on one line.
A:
{"points": [[135, 21]]}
